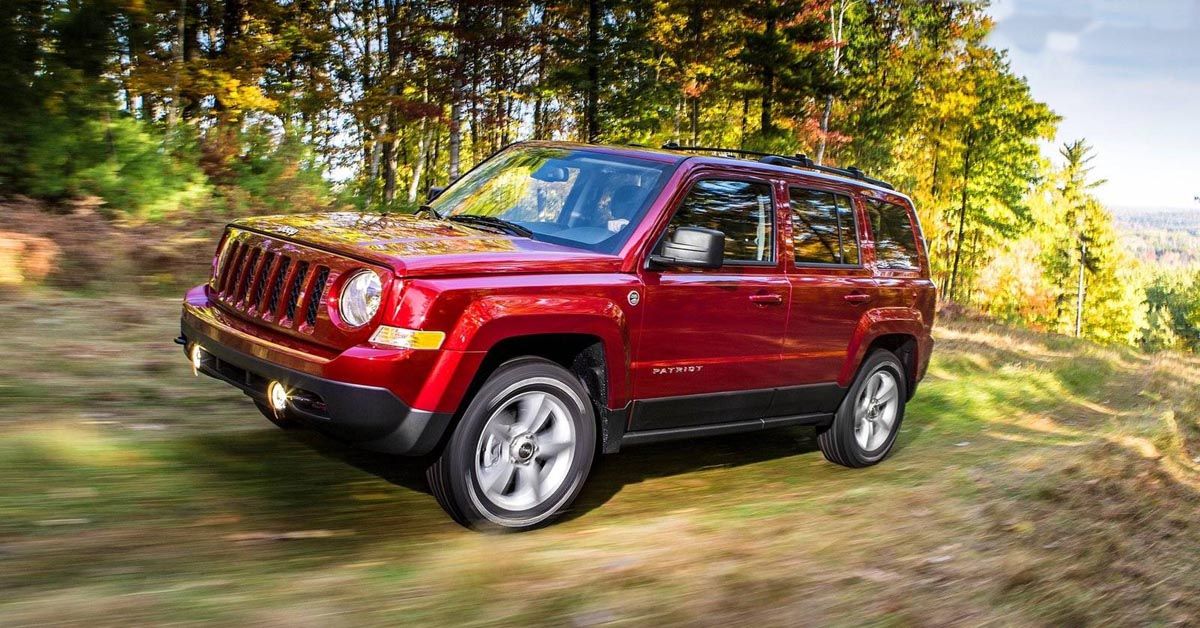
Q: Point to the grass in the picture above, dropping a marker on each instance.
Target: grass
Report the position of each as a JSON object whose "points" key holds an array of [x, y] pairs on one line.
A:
{"points": [[1037, 480]]}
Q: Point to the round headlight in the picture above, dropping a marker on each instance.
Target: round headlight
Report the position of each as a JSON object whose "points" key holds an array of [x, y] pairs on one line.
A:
{"points": [[360, 298]]}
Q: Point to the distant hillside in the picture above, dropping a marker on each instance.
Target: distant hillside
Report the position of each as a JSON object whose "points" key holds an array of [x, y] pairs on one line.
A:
{"points": [[1168, 237]]}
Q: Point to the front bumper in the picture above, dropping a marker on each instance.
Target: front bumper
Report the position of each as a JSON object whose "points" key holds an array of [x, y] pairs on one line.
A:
{"points": [[369, 417]]}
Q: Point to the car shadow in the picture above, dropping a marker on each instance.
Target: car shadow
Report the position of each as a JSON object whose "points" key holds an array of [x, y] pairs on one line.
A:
{"points": [[641, 463], [611, 473]]}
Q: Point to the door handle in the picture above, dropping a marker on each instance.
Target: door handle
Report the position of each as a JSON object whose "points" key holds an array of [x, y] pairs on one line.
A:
{"points": [[857, 298], [766, 299]]}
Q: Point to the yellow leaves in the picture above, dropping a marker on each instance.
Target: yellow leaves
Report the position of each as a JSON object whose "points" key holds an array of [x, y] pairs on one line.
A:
{"points": [[234, 95]]}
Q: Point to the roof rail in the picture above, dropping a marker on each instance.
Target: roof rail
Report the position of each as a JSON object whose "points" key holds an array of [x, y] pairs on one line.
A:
{"points": [[796, 161]]}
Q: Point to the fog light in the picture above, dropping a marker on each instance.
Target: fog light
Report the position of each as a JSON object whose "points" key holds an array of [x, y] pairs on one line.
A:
{"points": [[278, 396], [197, 358]]}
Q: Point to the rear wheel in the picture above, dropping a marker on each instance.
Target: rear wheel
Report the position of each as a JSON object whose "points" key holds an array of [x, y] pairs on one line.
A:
{"points": [[522, 450], [865, 426]]}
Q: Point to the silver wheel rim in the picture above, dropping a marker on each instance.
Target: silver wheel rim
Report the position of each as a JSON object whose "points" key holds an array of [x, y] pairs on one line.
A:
{"points": [[525, 452], [875, 410]]}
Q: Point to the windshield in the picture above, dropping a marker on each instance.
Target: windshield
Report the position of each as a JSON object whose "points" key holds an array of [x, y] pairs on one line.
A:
{"points": [[579, 198]]}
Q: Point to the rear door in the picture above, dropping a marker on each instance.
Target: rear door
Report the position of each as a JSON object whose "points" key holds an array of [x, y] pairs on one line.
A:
{"points": [[711, 338], [831, 289]]}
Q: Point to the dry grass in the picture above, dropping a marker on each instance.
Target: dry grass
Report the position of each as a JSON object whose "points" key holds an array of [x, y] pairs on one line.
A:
{"points": [[1038, 480]]}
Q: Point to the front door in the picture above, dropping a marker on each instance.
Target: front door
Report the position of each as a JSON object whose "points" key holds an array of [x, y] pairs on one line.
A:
{"points": [[711, 339]]}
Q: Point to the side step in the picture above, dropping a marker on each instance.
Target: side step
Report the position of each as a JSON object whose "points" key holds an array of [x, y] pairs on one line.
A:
{"points": [[719, 429]]}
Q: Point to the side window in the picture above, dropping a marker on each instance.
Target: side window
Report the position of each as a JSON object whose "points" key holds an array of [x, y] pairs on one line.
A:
{"points": [[895, 239], [823, 229], [742, 210]]}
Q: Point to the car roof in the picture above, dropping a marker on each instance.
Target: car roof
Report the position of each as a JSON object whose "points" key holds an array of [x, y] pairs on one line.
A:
{"points": [[677, 156]]}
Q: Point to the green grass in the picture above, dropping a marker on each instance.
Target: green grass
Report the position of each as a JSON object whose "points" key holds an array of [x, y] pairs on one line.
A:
{"points": [[1037, 480]]}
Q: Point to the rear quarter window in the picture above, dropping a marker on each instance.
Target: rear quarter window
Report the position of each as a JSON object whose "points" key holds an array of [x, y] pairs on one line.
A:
{"points": [[895, 239]]}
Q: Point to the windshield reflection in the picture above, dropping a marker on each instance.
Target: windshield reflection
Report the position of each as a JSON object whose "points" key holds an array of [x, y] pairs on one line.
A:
{"points": [[576, 197]]}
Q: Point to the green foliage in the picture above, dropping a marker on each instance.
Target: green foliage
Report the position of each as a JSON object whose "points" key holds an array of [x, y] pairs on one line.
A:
{"points": [[78, 143], [1173, 302], [264, 106], [1035, 280]]}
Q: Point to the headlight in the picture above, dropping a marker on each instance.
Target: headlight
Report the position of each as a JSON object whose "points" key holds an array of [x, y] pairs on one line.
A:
{"points": [[360, 298]]}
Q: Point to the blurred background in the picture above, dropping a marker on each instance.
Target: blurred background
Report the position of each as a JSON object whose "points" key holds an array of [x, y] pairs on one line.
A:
{"points": [[1049, 468]]}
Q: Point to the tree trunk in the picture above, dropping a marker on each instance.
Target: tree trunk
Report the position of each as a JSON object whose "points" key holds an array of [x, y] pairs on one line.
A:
{"points": [[456, 91], [962, 215], [177, 76], [937, 160], [391, 117], [1080, 291], [837, 19], [191, 54], [745, 119], [387, 157], [455, 141], [370, 146], [231, 25], [824, 128], [592, 93], [768, 87], [696, 29], [419, 163]]}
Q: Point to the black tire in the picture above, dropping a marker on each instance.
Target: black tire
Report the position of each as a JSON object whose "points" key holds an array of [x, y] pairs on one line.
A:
{"points": [[839, 442], [454, 476], [280, 421]]}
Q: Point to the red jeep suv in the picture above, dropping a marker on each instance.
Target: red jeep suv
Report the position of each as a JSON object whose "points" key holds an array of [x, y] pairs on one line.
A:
{"points": [[562, 300]]}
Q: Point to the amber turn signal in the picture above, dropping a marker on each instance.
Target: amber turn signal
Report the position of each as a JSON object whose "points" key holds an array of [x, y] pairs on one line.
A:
{"points": [[407, 338]]}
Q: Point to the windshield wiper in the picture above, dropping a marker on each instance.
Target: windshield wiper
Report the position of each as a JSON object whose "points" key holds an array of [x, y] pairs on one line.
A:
{"points": [[510, 228]]}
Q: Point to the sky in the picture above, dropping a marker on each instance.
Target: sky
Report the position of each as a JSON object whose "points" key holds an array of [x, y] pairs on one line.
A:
{"points": [[1125, 75]]}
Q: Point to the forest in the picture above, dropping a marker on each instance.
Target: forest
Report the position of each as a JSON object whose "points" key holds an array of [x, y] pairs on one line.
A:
{"points": [[169, 110]]}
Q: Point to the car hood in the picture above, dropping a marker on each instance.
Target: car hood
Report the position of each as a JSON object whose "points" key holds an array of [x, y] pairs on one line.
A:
{"points": [[418, 247]]}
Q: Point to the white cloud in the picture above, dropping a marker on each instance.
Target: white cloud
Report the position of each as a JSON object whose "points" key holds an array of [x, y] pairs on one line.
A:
{"points": [[1131, 90], [1062, 42]]}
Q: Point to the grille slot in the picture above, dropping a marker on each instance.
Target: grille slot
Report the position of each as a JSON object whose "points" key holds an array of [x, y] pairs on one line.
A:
{"points": [[318, 290], [245, 274], [232, 265], [256, 288], [294, 294], [277, 286]]}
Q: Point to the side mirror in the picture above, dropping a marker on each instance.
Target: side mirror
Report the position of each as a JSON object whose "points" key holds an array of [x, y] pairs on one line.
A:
{"points": [[693, 247], [435, 192]]}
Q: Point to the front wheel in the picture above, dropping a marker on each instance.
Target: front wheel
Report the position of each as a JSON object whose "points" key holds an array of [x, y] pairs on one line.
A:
{"points": [[865, 426], [522, 450]]}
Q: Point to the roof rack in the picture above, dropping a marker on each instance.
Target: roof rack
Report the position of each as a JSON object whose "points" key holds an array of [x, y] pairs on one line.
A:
{"points": [[795, 161]]}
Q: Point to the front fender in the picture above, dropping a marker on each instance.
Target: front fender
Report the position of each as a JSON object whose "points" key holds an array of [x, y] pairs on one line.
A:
{"points": [[881, 322], [492, 319]]}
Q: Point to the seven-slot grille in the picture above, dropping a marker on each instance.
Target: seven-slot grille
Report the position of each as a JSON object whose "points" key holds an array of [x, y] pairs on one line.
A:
{"points": [[269, 283]]}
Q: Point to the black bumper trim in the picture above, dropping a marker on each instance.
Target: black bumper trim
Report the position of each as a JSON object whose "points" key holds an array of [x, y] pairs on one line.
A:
{"points": [[369, 417]]}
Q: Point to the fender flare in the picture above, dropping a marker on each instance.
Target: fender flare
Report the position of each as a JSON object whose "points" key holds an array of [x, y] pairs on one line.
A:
{"points": [[492, 319], [881, 322]]}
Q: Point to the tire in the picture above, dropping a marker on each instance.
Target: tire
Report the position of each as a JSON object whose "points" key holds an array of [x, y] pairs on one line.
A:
{"points": [[856, 437], [521, 451], [280, 421]]}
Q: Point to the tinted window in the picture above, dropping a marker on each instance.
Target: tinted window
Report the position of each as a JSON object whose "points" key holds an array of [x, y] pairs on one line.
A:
{"points": [[823, 228], [895, 240], [742, 210]]}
